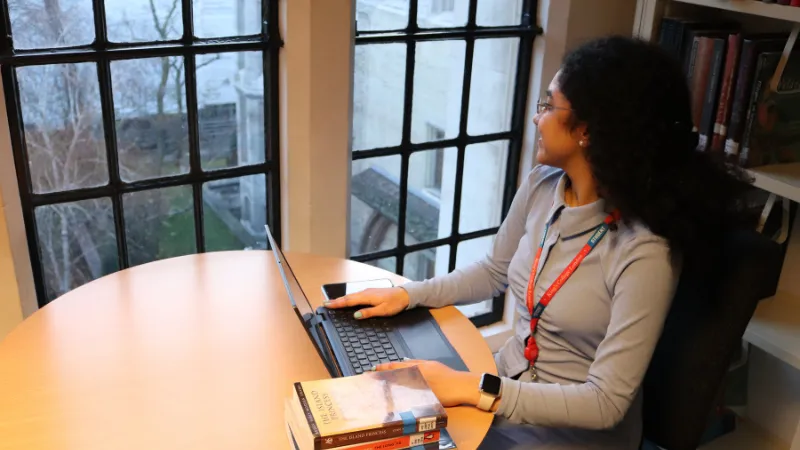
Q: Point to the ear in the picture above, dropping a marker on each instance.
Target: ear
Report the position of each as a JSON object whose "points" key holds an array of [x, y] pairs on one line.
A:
{"points": [[581, 135]]}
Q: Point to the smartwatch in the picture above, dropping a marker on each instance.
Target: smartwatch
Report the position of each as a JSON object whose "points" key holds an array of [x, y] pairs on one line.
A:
{"points": [[490, 390]]}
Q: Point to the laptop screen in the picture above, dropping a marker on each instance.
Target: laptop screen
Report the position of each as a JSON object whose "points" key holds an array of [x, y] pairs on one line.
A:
{"points": [[296, 294], [301, 304]]}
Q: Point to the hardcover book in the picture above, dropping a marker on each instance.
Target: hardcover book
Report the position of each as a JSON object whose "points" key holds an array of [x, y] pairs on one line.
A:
{"points": [[367, 407], [772, 133]]}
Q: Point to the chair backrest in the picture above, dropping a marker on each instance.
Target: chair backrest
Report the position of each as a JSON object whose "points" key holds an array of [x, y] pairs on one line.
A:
{"points": [[701, 335]]}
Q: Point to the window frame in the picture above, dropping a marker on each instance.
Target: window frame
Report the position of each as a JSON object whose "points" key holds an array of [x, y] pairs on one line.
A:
{"points": [[101, 52], [526, 31]]}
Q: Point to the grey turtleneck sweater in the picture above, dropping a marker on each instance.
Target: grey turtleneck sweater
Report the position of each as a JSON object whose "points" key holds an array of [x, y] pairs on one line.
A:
{"points": [[597, 335]]}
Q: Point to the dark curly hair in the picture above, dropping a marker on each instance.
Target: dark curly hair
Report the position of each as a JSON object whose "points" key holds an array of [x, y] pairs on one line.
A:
{"points": [[635, 102]]}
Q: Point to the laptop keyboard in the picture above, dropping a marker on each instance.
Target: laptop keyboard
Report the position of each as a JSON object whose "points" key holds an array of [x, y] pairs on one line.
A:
{"points": [[366, 341]]}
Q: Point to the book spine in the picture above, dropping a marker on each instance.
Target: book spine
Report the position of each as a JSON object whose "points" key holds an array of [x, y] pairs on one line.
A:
{"points": [[390, 430], [399, 443], [724, 109], [700, 79], [711, 95], [691, 58], [301, 397], [744, 81], [795, 3], [745, 158]]}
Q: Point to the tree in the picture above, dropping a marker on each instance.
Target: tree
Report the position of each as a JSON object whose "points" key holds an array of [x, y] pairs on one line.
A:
{"points": [[66, 149]]}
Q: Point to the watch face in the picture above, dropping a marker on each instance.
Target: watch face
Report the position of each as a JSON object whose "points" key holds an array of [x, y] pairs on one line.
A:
{"points": [[490, 384]]}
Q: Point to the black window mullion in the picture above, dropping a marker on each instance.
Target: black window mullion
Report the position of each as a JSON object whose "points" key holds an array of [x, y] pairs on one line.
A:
{"points": [[408, 102], [462, 137], [147, 185], [195, 169], [112, 157], [100, 28], [16, 130], [524, 56], [269, 28], [451, 240], [130, 51], [472, 14]]}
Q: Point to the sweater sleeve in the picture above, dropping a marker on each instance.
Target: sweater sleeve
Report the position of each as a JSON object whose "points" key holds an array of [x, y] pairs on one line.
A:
{"points": [[488, 277], [642, 294]]}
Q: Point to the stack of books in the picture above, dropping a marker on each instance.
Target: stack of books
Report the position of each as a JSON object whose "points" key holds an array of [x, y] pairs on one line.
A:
{"points": [[388, 410], [736, 112]]}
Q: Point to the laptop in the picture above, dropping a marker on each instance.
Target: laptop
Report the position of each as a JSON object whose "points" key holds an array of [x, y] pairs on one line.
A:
{"points": [[350, 347]]}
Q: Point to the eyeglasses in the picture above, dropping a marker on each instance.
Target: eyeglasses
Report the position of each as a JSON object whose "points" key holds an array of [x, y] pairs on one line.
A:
{"points": [[542, 106]]}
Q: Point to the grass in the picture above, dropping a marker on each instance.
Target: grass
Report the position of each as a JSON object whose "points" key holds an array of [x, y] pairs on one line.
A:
{"points": [[177, 234]]}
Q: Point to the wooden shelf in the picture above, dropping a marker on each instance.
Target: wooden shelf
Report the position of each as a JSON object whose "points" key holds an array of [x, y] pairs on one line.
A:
{"points": [[746, 437], [775, 328], [780, 179], [756, 8]]}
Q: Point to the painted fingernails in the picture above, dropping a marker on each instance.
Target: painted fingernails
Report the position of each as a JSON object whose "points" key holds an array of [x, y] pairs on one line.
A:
{"points": [[357, 315], [373, 368], [327, 303]]}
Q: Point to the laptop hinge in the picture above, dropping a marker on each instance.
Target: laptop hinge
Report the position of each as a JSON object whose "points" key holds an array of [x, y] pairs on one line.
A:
{"points": [[317, 319]]}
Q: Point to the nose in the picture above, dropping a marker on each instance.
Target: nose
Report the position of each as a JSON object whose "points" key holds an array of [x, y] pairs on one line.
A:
{"points": [[536, 119]]}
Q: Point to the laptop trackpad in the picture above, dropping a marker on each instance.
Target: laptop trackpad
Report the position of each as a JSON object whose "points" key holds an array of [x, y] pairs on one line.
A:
{"points": [[425, 342]]}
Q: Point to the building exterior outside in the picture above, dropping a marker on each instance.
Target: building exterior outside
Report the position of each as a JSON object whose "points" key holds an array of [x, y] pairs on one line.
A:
{"points": [[378, 119]]}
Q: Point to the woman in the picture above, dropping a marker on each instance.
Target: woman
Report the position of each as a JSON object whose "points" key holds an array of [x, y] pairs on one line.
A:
{"points": [[619, 177]]}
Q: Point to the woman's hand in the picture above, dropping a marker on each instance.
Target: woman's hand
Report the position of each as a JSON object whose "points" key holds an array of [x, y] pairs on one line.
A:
{"points": [[384, 302], [451, 387]]}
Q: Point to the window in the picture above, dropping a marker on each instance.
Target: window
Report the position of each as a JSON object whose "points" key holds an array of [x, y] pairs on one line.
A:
{"points": [[440, 6], [141, 130], [439, 106]]}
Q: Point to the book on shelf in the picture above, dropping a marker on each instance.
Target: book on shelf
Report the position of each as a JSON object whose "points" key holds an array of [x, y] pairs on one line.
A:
{"points": [[395, 405], [772, 131], [727, 71], [752, 46]]}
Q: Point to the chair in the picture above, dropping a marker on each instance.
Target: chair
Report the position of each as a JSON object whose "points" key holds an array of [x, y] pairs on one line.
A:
{"points": [[701, 335]]}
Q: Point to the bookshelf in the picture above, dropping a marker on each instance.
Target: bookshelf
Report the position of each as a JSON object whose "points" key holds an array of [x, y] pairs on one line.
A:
{"points": [[775, 328], [771, 419], [752, 7], [780, 179]]}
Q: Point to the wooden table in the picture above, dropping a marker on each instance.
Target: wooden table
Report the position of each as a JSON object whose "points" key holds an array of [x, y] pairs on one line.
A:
{"points": [[196, 352]]}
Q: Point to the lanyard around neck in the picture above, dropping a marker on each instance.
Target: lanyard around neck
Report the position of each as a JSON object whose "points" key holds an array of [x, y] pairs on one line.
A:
{"points": [[531, 349]]}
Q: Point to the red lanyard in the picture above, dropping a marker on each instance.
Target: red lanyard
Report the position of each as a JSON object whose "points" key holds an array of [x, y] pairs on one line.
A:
{"points": [[531, 349]]}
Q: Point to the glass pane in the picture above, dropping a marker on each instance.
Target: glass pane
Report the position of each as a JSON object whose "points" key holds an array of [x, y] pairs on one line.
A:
{"points": [[234, 213], [482, 196], [159, 224], [442, 13], [389, 264], [48, 24], [431, 188], [77, 243], [425, 264], [497, 13], [494, 70], [150, 110], [378, 95], [218, 18], [63, 126], [144, 20], [382, 14], [438, 78], [374, 208], [469, 252], [230, 101]]}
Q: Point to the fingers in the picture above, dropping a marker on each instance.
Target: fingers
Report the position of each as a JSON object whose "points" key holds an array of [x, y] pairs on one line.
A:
{"points": [[375, 311], [394, 365], [359, 298]]}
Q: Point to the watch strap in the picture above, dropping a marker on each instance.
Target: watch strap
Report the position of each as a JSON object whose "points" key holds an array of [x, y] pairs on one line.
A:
{"points": [[486, 401]]}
